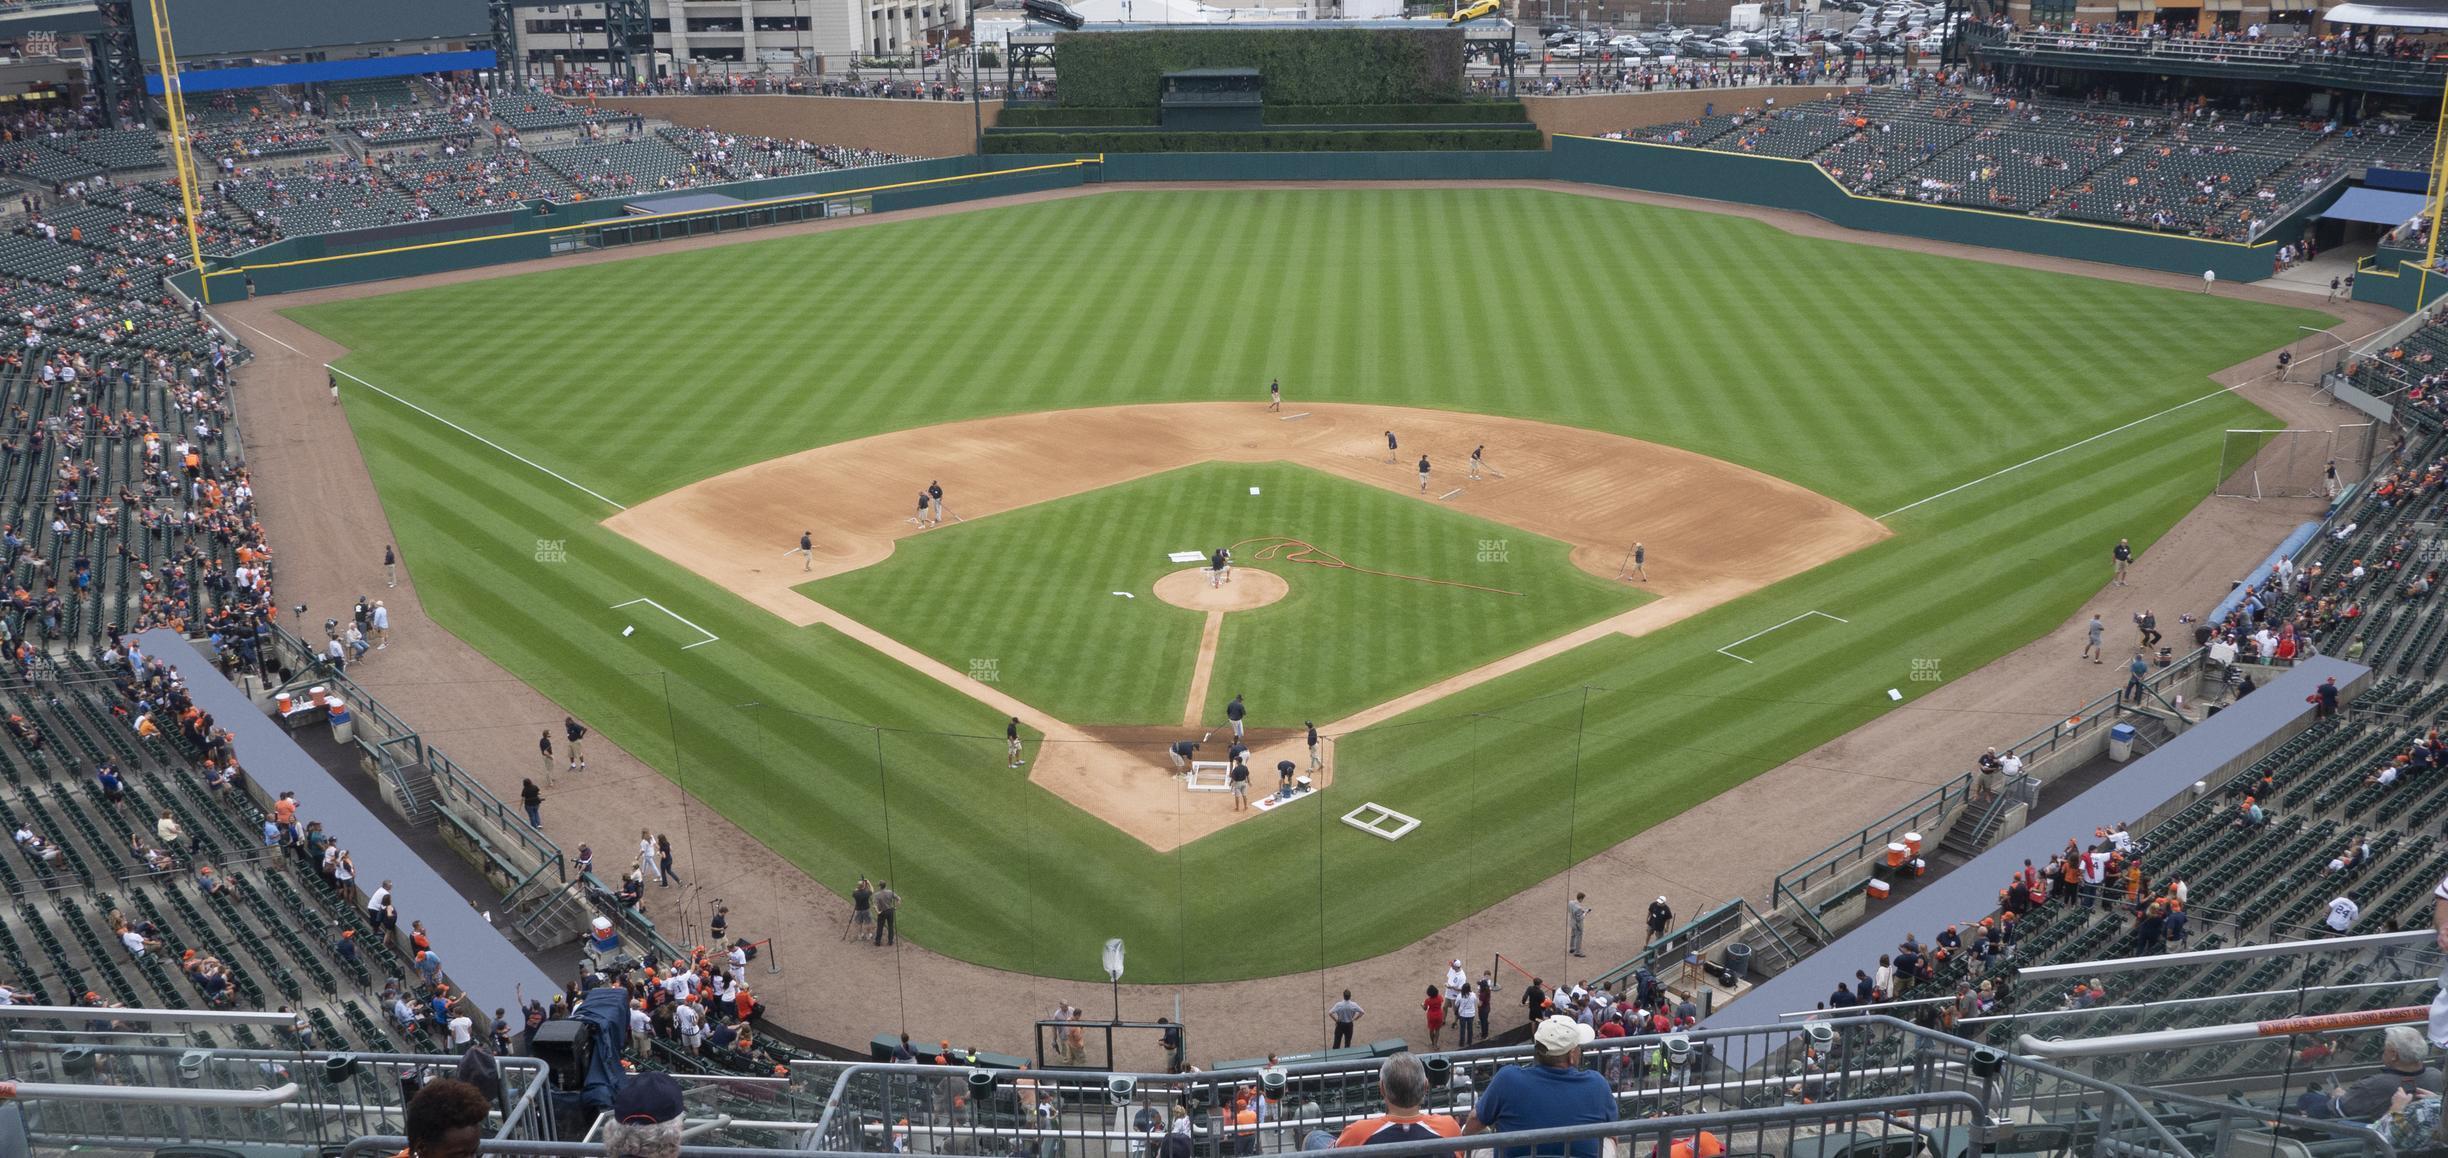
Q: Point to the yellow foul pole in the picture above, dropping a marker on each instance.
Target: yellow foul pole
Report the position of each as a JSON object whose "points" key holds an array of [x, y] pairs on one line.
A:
{"points": [[174, 105], [2437, 186]]}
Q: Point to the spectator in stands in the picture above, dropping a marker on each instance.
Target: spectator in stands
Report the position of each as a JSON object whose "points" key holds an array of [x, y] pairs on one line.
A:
{"points": [[446, 1119], [1554, 1092], [166, 830], [107, 776], [2250, 815], [645, 1121], [2342, 913], [2402, 1067], [1403, 1082]]}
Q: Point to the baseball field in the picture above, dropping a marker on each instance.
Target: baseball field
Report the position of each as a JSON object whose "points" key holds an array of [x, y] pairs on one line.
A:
{"points": [[599, 474]]}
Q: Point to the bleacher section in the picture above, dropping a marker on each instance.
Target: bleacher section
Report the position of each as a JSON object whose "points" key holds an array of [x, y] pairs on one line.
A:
{"points": [[2148, 166]]}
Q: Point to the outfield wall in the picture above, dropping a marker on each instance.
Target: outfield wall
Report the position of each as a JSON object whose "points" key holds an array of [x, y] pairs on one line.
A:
{"points": [[336, 259], [1801, 186]]}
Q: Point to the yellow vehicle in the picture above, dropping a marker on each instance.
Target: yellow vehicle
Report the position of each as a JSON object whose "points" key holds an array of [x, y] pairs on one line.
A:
{"points": [[1476, 10]]}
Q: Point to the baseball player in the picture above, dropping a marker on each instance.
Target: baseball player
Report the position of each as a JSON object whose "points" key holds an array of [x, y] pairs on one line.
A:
{"points": [[1391, 446], [1181, 752], [807, 550], [1011, 742], [1216, 566], [1476, 452], [1423, 474], [1275, 395], [935, 491]]}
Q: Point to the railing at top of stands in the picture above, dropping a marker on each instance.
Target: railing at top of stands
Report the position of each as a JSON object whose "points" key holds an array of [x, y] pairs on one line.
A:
{"points": [[338, 1100], [1659, 1082]]}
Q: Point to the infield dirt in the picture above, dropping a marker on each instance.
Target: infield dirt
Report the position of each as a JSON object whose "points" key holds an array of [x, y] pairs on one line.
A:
{"points": [[1713, 531]]}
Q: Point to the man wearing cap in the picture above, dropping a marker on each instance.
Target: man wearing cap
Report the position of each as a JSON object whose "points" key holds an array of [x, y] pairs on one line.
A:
{"points": [[1660, 916], [645, 1119], [1554, 1092], [1455, 981]]}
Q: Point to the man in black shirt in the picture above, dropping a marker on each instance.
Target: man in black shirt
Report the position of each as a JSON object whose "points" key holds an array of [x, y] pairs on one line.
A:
{"points": [[576, 733], [1239, 779], [1181, 752], [1011, 742], [1317, 752], [1534, 999]]}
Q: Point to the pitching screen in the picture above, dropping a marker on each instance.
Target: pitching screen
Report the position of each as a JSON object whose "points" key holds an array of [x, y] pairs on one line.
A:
{"points": [[237, 27]]}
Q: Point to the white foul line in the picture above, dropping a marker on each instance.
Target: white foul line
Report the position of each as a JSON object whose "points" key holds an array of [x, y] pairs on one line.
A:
{"points": [[270, 338], [2061, 450], [1728, 650], [478, 437], [710, 637]]}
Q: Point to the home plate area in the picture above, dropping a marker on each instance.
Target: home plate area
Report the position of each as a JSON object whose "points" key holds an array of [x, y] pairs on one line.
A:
{"points": [[1215, 776]]}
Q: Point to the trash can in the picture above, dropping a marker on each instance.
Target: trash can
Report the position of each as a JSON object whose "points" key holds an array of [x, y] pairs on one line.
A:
{"points": [[1738, 960], [343, 727], [2120, 742]]}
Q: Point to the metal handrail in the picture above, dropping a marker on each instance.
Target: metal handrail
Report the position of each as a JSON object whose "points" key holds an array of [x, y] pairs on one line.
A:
{"points": [[258, 1099], [2226, 953]]}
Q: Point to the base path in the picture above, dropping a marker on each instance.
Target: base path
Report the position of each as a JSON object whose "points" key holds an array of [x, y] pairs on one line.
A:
{"points": [[1714, 531]]}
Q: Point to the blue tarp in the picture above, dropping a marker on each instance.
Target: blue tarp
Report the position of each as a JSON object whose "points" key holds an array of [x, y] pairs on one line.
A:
{"points": [[316, 72], [2378, 206]]}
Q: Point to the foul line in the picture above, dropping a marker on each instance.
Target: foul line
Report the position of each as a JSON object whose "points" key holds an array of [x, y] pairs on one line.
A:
{"points": [[270, 338], [710, 637], [1728, 650], [478, 437], [2061, 450]]}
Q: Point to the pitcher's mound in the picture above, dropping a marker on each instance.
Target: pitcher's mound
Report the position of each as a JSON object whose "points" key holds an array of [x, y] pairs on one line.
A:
{"points": [[1250, 587]]}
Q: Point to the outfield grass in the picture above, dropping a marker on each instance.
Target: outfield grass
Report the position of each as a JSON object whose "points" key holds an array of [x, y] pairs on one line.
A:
{"points": [[1875, 376], [1032, 591]]}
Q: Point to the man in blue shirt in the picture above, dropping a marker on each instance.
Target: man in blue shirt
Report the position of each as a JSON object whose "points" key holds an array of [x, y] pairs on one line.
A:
{"points": [[1553, 1092]]}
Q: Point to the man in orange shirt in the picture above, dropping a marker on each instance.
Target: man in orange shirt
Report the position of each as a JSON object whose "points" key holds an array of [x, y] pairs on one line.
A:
{"points": [[1403, 1082]]}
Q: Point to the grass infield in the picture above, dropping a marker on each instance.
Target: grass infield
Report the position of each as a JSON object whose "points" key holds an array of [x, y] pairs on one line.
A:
{"points": [[1032, 591], [1875, 376]]}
